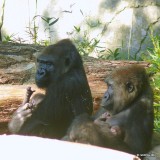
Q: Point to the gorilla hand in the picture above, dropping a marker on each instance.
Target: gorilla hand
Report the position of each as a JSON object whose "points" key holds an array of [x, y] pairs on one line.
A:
{"points": [[19, 117], [108, 123]]}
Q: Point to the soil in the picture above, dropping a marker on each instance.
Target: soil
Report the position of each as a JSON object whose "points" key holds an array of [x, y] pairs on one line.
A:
{"points": [[7, 107]]}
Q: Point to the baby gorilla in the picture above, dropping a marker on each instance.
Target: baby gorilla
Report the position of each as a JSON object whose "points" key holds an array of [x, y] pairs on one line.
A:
{"points": [[28, 106], [103, 121], [84, 130]]}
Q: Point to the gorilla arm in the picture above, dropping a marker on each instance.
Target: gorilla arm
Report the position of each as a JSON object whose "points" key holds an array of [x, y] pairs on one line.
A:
{"points": [[19, 117], [22, 117], [83, 130], [135, 130], [25, 110]]}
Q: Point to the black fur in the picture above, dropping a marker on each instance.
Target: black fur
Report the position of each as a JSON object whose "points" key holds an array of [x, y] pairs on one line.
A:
{"points": [[60, 72]]}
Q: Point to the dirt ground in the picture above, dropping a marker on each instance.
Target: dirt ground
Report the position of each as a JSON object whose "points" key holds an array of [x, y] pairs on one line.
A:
{"points": [[7, 108]]}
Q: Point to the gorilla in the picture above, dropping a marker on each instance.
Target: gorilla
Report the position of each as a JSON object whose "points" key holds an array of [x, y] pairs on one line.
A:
{"points": [[125, 119], [61, 74]]}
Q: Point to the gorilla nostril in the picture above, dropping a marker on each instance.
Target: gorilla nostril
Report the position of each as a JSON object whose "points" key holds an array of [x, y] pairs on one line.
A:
{"points": [[42, 72]]}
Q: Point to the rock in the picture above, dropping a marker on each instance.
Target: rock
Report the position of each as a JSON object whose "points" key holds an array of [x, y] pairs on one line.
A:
{"points": [[128, 25], [17, 62]]}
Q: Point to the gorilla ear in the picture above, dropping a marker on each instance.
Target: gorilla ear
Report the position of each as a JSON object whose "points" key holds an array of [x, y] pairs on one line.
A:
{"points": [[71, 60], [130, 87], [68, 62], [67, 65]]}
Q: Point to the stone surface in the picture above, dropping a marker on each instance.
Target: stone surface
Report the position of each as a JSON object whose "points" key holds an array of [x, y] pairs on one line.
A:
{"points": [[128, 24], [17, 62]]}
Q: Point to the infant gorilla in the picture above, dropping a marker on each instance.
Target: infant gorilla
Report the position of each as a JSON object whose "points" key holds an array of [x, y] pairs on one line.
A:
{"points": [[84, 130], [115, 129]]}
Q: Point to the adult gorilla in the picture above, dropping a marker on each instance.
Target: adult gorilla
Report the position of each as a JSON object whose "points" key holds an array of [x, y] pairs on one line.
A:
{"points": [[125, 119], [67, 94]]}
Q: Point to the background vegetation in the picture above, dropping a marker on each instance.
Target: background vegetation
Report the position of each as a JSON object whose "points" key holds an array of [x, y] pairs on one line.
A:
{"points": [[153, 57]]}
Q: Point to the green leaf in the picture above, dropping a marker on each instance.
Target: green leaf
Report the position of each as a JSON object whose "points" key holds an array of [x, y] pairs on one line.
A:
{"points": [[77, 28], [54, 22]]}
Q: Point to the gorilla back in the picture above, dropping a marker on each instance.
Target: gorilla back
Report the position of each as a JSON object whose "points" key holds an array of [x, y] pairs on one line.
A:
{"points": [[60, 72]]}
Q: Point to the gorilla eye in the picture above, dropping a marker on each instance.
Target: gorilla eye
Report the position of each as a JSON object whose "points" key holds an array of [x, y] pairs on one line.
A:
{"points": [[130, 87], [109, 84], [40, 61], [49, 63]]}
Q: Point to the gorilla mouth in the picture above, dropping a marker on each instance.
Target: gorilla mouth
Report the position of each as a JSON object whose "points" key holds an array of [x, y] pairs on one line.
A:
{"points": [[103, 119], [42, 83], [107, 107]]}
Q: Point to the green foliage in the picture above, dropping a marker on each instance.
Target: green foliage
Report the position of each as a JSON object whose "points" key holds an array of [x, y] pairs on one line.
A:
{"points": [[110, 54], [50, 21], [33, 32], [9, 38], [154, 58], [81, 36], [117, 54], [32, 29], [44, 42], [86, 45], [113, 54]]}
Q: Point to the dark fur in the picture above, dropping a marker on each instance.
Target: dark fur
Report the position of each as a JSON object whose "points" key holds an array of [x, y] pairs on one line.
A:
{"points": [[129, 101], [83, 130], [131, 107], [67, 91]]}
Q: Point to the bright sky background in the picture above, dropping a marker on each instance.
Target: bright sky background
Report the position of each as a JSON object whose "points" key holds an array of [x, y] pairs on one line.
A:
{"points": [[19, 12]]}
